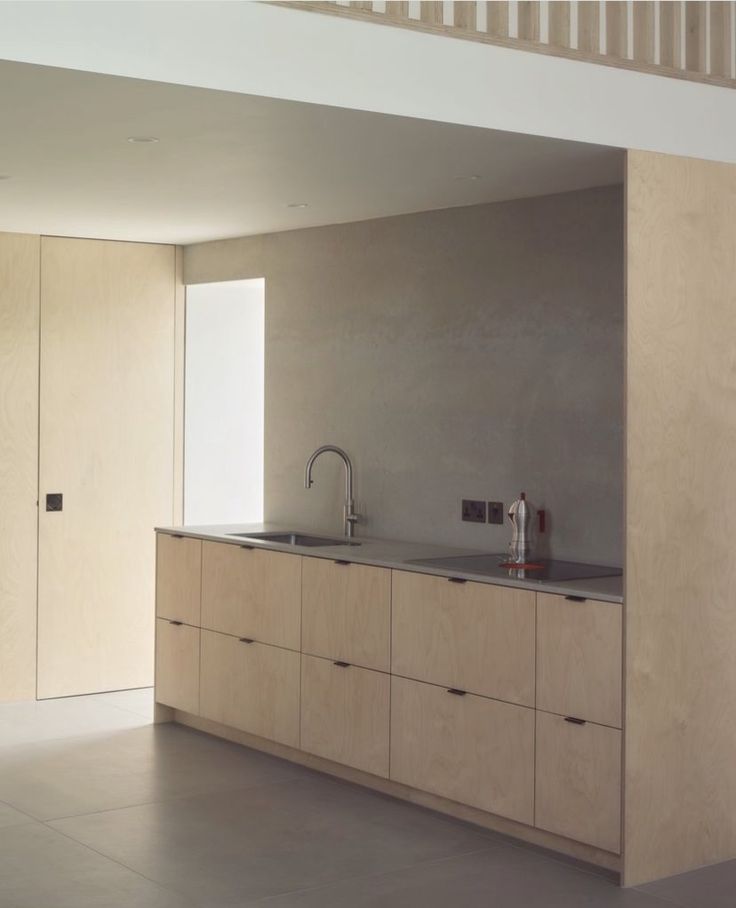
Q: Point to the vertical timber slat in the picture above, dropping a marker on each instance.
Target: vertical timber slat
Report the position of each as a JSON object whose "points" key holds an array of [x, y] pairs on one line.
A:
{"points": [[559, 23], [644, 31], [617, 33], [695, 36], [465, 15], [528, 20], [497, 17], [720, 38], [589, 26], [670, 31]]}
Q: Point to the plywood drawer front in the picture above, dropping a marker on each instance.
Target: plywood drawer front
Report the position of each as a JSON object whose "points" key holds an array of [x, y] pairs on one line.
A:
{"points": [[177, 665], [345, 714], [178, 578], [252, 593], [469, 749], [579, 658], [472, 636], [578, 779], [250, 686], [346, 612]]}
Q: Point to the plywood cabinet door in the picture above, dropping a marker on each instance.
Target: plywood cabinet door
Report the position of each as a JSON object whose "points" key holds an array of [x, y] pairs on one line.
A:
{"points": [[107, 444], [252, 593], [345, 714], [346, 612], [178, 578], [579, 658], [251, 686], [177, 665], [471, 636], [466, 748], [578, 773]]}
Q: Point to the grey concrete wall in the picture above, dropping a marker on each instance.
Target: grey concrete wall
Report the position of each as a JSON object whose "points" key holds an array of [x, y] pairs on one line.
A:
{"points": [[469, 352]]}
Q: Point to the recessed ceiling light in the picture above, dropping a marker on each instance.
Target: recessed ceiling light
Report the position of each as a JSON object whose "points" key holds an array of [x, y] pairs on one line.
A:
{"points": [[142, 140], [468, 178], [298, 205]]}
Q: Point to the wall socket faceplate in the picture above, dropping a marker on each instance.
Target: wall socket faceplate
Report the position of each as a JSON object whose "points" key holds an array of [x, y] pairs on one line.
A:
{"points": [[496, 512], [474, 511]]}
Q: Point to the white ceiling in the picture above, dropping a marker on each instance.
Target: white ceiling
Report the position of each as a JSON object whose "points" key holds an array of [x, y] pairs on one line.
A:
{"points": [[230, 164]]}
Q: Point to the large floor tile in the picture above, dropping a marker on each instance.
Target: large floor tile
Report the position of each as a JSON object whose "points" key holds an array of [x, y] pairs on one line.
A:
{"points": [[500, 878], [9, 816], [66, 777], [30, 722], [710, 887], [139, 700], [229, 848], [40, 868]]}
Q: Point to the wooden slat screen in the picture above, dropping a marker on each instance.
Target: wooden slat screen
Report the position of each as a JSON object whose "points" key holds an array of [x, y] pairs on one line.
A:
{"points": [[686, 40]]}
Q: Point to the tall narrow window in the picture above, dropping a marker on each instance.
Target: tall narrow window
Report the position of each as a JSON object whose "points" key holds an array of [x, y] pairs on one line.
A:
{"points": [[223, 437]]}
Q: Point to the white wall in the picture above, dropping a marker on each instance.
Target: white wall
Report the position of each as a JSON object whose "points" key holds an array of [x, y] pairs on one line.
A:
{"points": [[264, 49], [223, 454]]}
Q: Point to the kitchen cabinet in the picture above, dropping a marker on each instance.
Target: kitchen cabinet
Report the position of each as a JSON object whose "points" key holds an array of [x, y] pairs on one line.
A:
{"points": [[177, 665], [579, 658], [466, 748], [346, 612], [252, 593], [345, 714], [178, 578], [472, 636], [578, 780], [250, 686]]}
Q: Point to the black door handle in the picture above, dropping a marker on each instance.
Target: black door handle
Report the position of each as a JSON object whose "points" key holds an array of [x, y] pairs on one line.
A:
{"points": [[574, 720], [457, 580], [456, 691], [342, 664]]}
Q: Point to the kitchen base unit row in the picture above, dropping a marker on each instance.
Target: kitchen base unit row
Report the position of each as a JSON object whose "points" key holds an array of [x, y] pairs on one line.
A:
{"points": [[497, 705]]}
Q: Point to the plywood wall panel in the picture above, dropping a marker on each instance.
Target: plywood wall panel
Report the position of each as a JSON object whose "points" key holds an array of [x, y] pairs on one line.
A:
{"points": [[680, 771]]}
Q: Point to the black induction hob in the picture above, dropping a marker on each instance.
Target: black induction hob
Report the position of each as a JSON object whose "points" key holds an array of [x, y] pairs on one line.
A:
{"points": [[491, 566]]}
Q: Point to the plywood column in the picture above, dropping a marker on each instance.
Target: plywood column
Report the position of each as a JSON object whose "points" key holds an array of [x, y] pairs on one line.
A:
{"points": [[19, 299], [680, 675]]}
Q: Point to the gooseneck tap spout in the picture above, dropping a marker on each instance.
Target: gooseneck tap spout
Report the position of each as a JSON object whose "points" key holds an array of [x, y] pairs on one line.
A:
{"points": [[350, 517]]}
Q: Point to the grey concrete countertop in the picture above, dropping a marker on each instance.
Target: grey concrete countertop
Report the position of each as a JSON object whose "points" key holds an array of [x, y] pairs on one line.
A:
{"points": [[395, 554]]}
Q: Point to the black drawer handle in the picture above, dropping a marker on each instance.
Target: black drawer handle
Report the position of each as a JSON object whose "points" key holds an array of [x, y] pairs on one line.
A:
{"points": [[574, 721], [246, 640], [176, 623], [246, 547], [576, 598], [344, 563], [457, 580], [342, 664], [176, 536], [456, 691]]}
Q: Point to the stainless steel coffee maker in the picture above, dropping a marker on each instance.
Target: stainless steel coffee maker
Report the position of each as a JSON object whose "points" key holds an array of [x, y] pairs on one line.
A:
{"points": [[521, 514]]}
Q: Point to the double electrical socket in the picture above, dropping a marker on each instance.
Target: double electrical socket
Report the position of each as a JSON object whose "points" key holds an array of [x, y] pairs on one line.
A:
{"points": [[482, 512]]}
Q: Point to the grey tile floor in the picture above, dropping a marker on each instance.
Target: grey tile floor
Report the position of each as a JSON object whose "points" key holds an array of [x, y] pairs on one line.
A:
{"points": [[99, 808]]}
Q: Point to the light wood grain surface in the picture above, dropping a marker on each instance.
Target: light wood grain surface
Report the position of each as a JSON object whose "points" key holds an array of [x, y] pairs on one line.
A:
{"points": [[345, 714], [178, 578], [680, 624], [346, 612], [250, 686], [252, 593], [19, 303], [106, 443], [472, 636], [177, 665], [579, 659], [578, 781], [466, 748]]}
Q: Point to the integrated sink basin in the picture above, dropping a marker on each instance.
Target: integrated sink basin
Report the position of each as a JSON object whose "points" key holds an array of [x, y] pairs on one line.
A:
{"points": [[294, 538]]}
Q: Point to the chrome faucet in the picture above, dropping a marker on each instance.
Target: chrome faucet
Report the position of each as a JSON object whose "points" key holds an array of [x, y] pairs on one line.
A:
{"points": [[351, 518]]}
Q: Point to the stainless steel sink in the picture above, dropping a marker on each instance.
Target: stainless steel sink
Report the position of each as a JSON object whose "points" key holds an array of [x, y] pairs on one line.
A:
{"points": [[294, 538]]}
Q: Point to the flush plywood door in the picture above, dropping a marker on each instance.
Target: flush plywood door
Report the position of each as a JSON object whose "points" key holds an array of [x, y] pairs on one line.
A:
{"points": [[472, 636], [578, 781], [469, 749], [252, 593], [177, 665], [345, 714], [178, 578], [346, 612], [579, 659], [19, 289], [107, 444], [250, 686]]}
